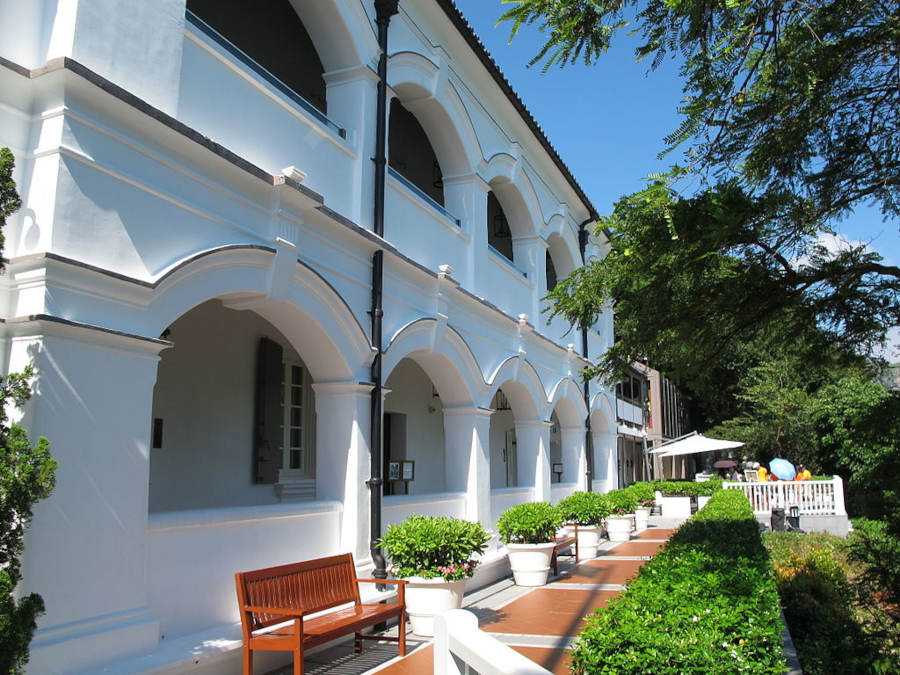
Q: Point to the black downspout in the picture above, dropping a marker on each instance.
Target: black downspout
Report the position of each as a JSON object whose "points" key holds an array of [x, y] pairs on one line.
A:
{"points": [[384, 10], [588, 441]]}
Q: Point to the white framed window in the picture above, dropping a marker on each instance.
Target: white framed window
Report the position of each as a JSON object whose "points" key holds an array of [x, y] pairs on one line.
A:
{"points": [[297, 422]]}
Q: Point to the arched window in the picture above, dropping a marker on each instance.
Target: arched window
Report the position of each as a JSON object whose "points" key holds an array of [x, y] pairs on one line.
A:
{"points": [[270, 33], [551, 273], [411, 155], [499, 235]]}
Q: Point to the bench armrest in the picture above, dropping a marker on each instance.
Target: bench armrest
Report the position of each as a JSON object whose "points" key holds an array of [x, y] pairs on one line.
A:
{"points": [[399, 582], [280, 611]]}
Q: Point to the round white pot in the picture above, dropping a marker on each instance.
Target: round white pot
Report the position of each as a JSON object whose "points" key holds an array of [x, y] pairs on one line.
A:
{"points": [[618, 528], [530, 563], [426, 598], [641, 517], [588, 541]]}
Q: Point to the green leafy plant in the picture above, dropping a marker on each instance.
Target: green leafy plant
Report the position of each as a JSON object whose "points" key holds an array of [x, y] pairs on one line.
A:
{"points": [[644, 492], [684, 488], [434, 546], [26, 476], [531, 523], [706, 603], [584, 508], [621, 501]]}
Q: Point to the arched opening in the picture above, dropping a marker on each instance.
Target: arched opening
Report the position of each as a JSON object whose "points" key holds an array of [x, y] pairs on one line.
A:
{"points": [[556, 449], [413, 432], [411, 154], [270, 33], [499, 234], [551, 272], [504, 450], [234, 420]]}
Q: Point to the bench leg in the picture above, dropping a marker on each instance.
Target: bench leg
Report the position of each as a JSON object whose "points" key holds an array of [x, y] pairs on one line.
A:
{"points": [[554, 563], [401, 634], [298, 661], [357, 643], [248, 661]]}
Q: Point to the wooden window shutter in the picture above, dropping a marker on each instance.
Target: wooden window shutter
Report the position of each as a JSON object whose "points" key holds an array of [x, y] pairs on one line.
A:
{"points": [[267, 435]]}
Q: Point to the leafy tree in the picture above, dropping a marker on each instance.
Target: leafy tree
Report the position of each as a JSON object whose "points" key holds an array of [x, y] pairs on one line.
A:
{"points": [[791, 119], [26, 475]]}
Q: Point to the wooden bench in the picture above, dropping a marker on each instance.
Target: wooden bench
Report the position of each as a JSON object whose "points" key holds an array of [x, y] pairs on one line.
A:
{"points": [[288, 594], [562, 543]]}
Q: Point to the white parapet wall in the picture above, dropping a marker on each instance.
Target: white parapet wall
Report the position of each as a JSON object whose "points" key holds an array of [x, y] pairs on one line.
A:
{"points": [[397, 508], [503, 498], [194, 555], [460, 648]]}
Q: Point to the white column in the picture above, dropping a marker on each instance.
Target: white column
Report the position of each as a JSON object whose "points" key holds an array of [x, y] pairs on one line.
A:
{"points": [[466, 198], [352, 95], [533, 456], [343, 459], [529, 254], [86, 549], [467, 433], [573, 456], [605, 459]]}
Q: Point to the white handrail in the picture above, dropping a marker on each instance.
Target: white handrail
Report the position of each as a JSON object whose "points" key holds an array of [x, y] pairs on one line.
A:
{"points": [[811, 497], [460, 647]]}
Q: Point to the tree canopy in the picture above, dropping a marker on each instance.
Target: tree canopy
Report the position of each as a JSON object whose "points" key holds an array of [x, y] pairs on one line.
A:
{"points": [[791, 119]]}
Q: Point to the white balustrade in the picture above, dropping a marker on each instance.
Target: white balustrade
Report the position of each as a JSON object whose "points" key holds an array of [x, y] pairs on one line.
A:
{"points": [[461, 648], [812, 497]]}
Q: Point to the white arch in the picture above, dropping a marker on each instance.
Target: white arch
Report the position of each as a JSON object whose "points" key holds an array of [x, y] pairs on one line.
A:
{"points": [[603, 418], [567, 399], [340, 32], [422, 87], [522, 386], [444, 356], [565, 254], [311, 315]]}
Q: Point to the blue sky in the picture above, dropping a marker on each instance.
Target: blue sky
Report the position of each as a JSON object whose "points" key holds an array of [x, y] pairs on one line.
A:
{"points": [[607, 121]]}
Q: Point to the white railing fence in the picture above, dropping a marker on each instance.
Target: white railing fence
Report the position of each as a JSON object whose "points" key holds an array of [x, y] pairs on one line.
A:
{"points": [[460, 648], [812, 497]]}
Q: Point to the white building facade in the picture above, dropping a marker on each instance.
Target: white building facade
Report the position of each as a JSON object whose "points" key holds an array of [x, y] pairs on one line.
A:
{"points": [[191, 275]]}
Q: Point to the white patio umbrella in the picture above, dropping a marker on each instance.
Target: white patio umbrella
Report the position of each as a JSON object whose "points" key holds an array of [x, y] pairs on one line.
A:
{"points": [[692, 444]]}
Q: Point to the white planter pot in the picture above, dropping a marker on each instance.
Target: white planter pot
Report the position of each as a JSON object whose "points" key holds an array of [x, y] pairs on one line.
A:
{"points": [[588, 542], [642, 518], [676, 507], [618, 528], [530, 563], [425, 598]]}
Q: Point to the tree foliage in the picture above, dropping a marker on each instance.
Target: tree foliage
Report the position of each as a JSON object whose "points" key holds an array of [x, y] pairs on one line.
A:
{"points": [[26, 476], [792, 96], [791, 118]]}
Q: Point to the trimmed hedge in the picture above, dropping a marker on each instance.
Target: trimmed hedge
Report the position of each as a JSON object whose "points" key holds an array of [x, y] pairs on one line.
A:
{"points": [[706, 603], [686, 488]]}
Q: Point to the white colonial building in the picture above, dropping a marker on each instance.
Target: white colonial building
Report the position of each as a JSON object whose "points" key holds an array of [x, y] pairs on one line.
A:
{"points": [[191, 273]]}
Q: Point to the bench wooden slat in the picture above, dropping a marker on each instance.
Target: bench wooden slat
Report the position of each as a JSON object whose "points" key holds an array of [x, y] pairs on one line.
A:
{"points": [[287, 594]]}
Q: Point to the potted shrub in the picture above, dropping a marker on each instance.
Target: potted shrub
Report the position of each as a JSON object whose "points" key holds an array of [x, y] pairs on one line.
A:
{"points": [[435, 555], [619, 522], [646, 501], [587, 509], [528, 531]]}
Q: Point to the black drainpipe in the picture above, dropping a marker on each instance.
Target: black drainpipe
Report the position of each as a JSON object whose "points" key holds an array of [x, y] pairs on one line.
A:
{"points": [[588, 441], [384, 10]]}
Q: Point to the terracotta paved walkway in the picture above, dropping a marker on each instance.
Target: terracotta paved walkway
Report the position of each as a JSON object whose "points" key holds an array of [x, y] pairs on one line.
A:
{"points": [[542, 622]]}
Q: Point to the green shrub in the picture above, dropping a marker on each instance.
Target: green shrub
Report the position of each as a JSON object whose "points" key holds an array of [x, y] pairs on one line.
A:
{"points": [[621, 501], [819, 605], [704, 604], [685, 488], [873, 545], [644, 492], [584, 508], [531, 523], [434, 546]]}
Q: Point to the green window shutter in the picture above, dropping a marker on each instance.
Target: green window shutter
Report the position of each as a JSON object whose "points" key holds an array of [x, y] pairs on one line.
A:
{"points": [[267, 436]]}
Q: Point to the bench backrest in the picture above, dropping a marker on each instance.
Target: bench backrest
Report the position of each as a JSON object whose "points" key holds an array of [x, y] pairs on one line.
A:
{"points": [[309, 586]]}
